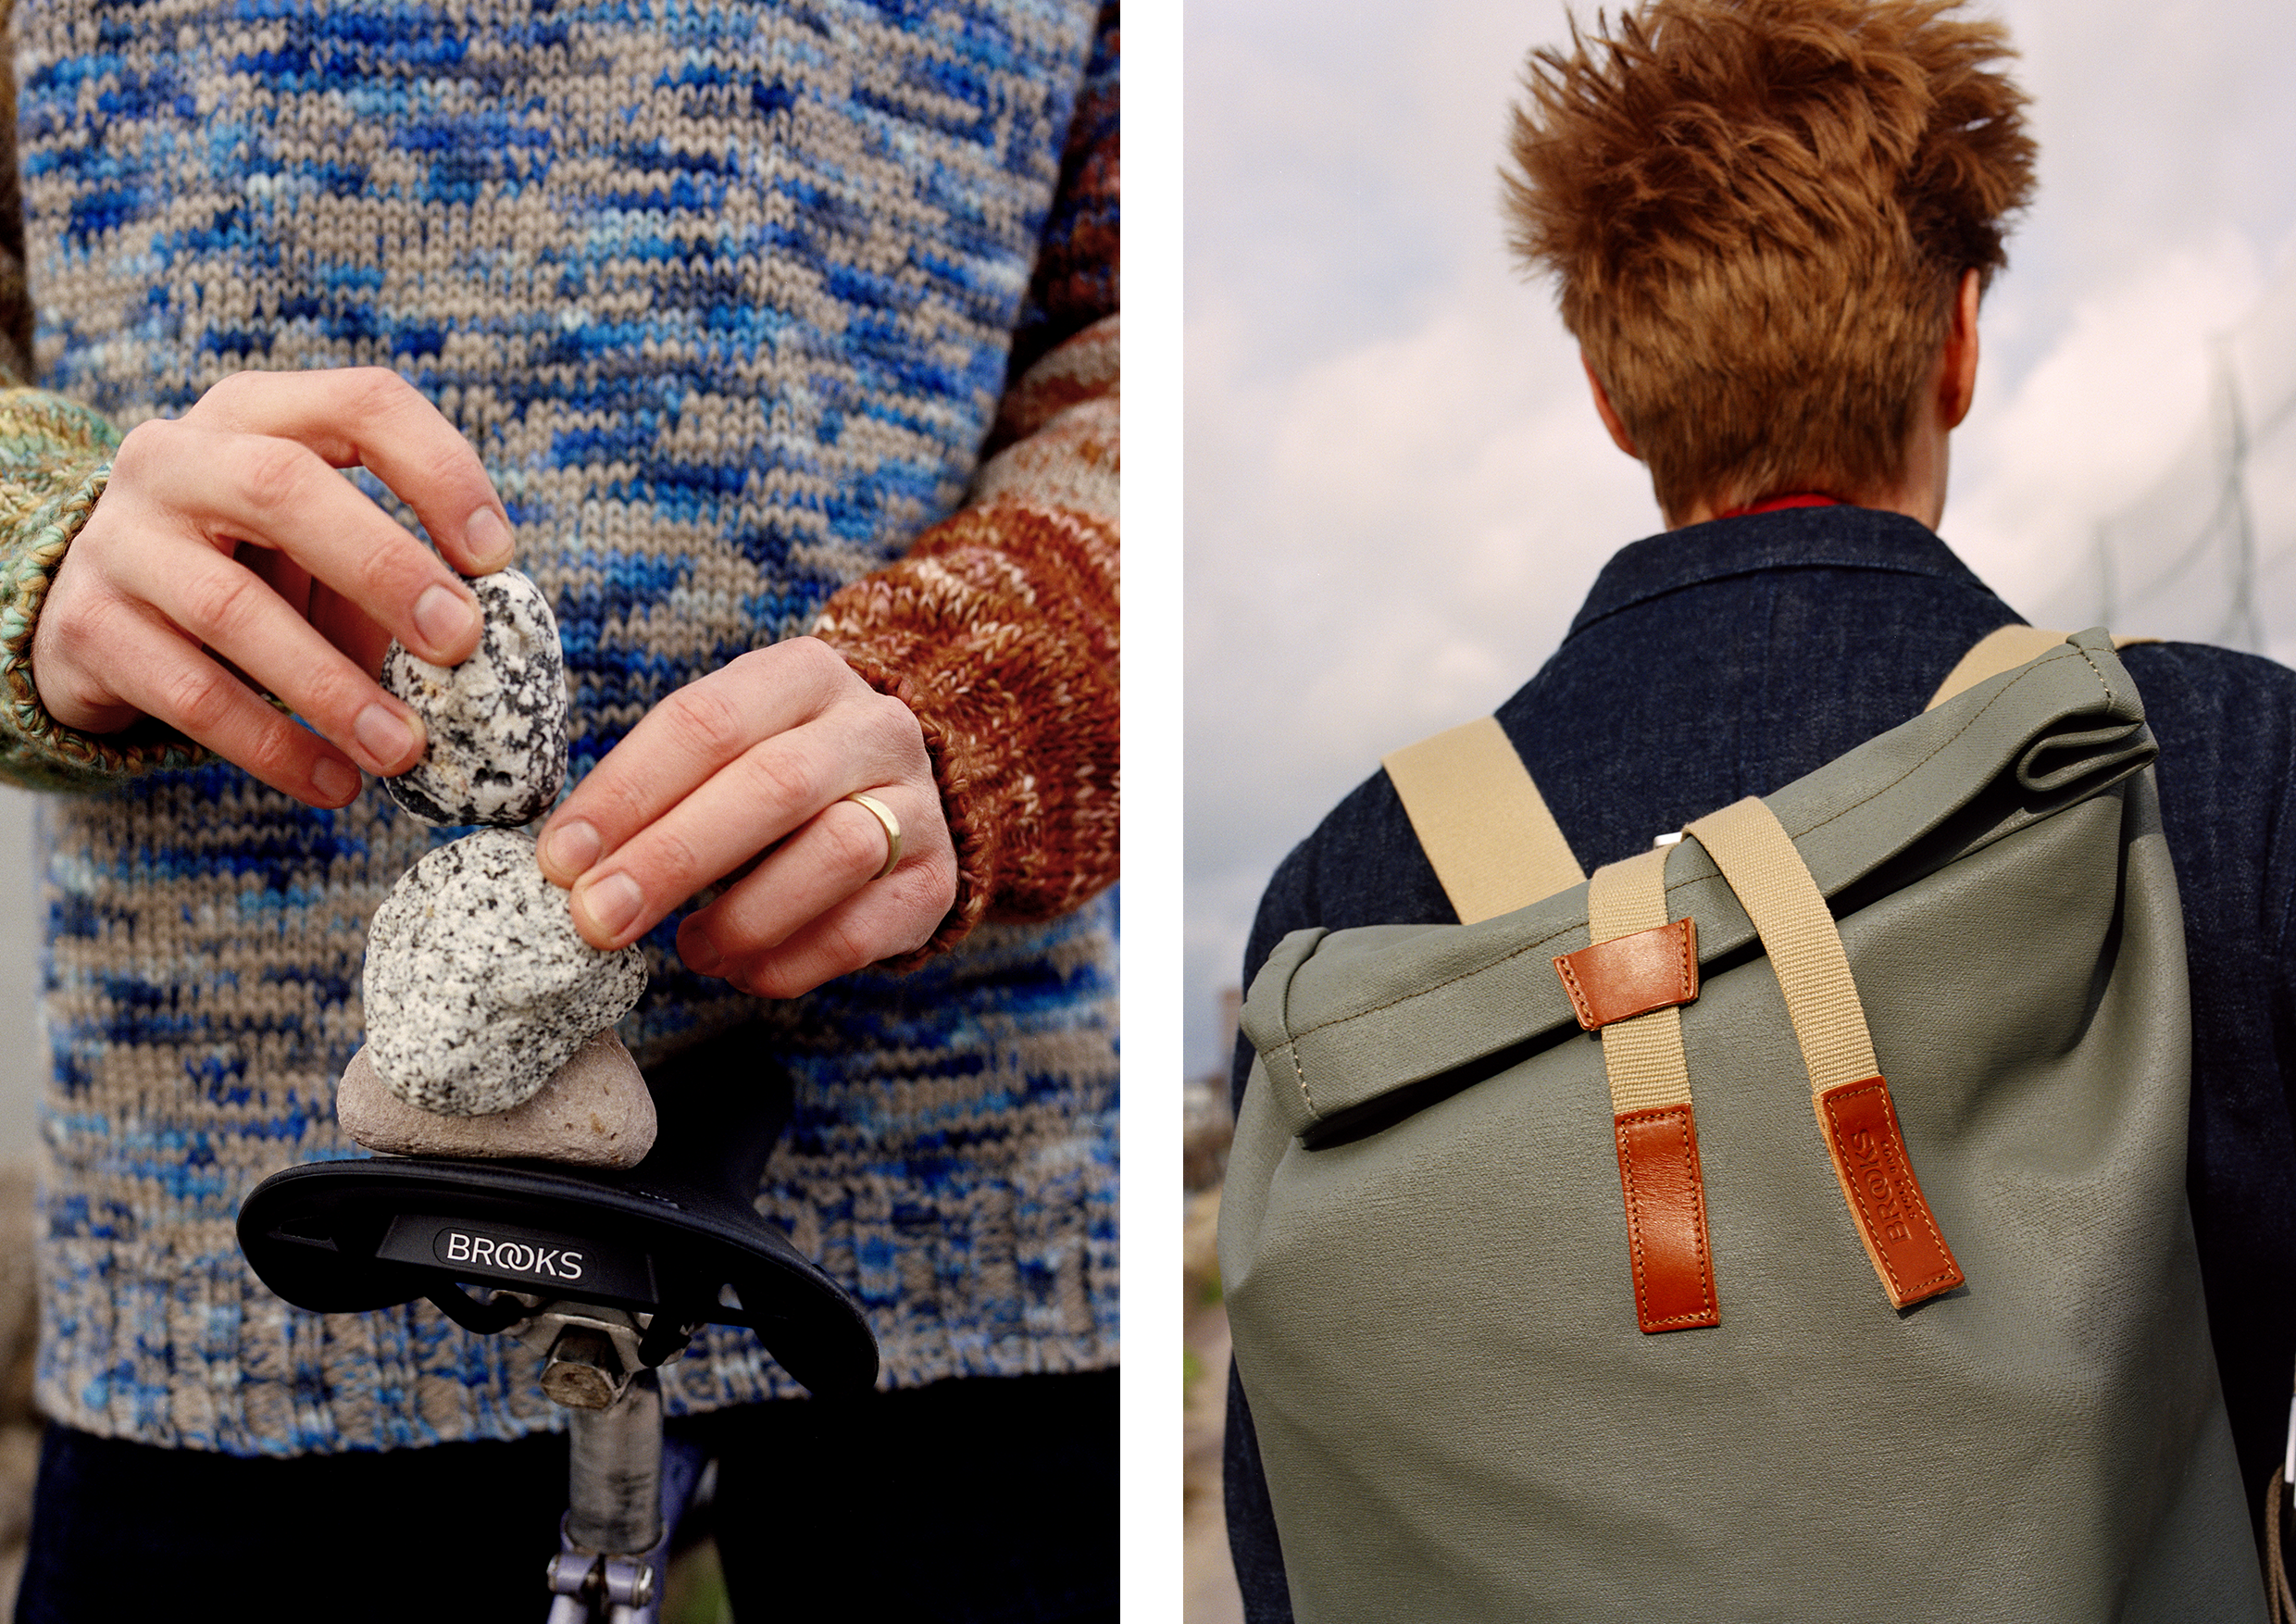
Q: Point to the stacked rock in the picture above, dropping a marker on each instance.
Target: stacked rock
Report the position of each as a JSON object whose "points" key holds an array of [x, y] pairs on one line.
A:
{"points": [[497, 721], [490, 1021]]}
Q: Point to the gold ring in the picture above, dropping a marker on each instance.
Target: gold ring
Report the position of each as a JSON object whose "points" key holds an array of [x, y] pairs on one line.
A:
{"points": [[884, 814]]}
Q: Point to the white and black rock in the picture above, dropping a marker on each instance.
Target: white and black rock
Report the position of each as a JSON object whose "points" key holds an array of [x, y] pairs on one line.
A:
{"points": [[497, 723], [477, 985]]}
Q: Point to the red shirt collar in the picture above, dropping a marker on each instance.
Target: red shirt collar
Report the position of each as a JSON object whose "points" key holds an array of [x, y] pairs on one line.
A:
{"points": [[1773, 504]]}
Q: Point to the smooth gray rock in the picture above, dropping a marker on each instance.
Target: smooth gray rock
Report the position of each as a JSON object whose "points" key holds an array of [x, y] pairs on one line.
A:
{"points": [[478, 986], [497, 723], [594, 1112]]}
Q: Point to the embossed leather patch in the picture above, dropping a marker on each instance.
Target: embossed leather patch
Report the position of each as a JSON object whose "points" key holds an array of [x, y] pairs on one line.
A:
{"points": [[1893, 1217], [1667, 1219], [1632, 975]]}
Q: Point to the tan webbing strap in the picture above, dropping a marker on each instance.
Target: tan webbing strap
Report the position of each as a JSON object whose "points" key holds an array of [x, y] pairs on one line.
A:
{"points": [[2005, 650], [1654, 1130], [1482, 822], [1643, 1054], [1774, 885], [1855, 1113], [1997, 651]]}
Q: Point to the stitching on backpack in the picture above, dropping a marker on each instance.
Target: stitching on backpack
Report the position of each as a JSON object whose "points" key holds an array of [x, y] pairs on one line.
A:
{"points": [[1577, 994], [1884, 789], [1294, 1047], [1634, 1227], [1685, 989], [1949, 742], [1426, 991]]}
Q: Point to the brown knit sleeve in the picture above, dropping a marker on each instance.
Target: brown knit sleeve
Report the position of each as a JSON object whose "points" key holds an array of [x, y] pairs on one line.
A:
{"points": [[999, 630]]}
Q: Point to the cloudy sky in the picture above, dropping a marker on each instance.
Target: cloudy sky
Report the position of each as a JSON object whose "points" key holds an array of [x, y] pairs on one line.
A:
{"points": [[1397, 494]]}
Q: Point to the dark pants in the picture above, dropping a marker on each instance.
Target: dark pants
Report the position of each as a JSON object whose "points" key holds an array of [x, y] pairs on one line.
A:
{"points": [[976, 1502]]}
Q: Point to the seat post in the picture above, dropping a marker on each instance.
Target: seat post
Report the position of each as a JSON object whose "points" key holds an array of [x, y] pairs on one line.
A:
{"points": [[614, 1489], [613, 1538]]}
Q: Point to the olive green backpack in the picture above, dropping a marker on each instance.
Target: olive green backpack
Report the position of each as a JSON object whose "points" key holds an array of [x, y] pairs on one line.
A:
{"points": [[1786, 1223]]}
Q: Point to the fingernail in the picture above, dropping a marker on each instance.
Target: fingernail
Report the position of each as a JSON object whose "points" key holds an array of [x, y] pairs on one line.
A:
{"points": [[337, 781], [488, 538], [383, 734], [612, 903], [573, 847], [442, 615], [703, 959]]}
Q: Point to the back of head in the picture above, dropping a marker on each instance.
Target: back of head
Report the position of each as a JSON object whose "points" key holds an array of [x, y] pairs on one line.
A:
{"points": [[1758, 213]]}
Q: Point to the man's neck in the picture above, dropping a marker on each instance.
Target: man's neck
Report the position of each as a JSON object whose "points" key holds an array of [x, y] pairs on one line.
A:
{"points": [[1921, 495]]}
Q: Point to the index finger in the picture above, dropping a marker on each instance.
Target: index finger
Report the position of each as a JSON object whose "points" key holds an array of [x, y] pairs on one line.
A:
{"points": [[368, 416], [277, 493]]}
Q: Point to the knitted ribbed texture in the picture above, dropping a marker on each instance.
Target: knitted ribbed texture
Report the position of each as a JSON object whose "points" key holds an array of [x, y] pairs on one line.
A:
{"points": [[722, 297], [55, 460], [1076, 281], [1000, 630]]}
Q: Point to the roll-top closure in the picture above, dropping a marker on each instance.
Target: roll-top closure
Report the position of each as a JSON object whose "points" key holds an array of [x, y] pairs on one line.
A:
{"points": [[1343, 1020]]}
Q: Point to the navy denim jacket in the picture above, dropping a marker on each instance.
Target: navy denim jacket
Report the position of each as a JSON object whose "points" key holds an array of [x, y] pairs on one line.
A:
{"points": [[1728, 659]]}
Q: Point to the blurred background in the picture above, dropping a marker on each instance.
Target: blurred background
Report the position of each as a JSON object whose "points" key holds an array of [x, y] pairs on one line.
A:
{"points": [[23, 1063], [23, 1051], [1398, 493]]}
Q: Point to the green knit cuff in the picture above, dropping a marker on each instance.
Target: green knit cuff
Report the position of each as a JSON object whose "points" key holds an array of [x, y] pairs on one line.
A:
{"points": [[54, 461]]}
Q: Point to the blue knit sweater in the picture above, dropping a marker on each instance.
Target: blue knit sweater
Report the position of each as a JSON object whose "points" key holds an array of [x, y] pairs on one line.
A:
{"points": [[723, 296]]}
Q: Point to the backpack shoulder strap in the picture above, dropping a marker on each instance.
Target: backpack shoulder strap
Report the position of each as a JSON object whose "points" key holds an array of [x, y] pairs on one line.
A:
{"points": [[1486, 829], [1482, 822], [2004, 650]]}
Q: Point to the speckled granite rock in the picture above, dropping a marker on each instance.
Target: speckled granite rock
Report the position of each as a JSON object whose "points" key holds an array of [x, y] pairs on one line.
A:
{"points": [[497, 721], [478, 986], [594, 1111]]}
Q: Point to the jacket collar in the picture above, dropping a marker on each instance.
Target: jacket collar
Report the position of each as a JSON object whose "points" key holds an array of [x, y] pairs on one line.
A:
{"points": [[1795, 538]]}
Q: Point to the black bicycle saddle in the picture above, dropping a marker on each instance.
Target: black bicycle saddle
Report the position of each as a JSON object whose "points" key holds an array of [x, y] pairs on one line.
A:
{"points": [[676, 1237]]}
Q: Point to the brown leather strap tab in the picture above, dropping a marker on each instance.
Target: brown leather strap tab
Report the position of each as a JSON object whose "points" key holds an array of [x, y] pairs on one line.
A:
{"points": [[1667, 1219], [1893, 1217], [1632, 975]]}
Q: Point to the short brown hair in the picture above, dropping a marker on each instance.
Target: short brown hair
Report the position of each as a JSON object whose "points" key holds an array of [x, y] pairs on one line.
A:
{"points": [[1758, 213]]}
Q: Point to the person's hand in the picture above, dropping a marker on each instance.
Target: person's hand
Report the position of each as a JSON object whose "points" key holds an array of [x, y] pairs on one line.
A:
{"points": [[757, 757], [227, 552]]}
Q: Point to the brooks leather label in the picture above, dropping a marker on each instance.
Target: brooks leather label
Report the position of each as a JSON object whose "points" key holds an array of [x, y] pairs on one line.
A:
{"points": [[1632, 975], [512, 1255], [1892, 1214], [1665, 1196]]}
